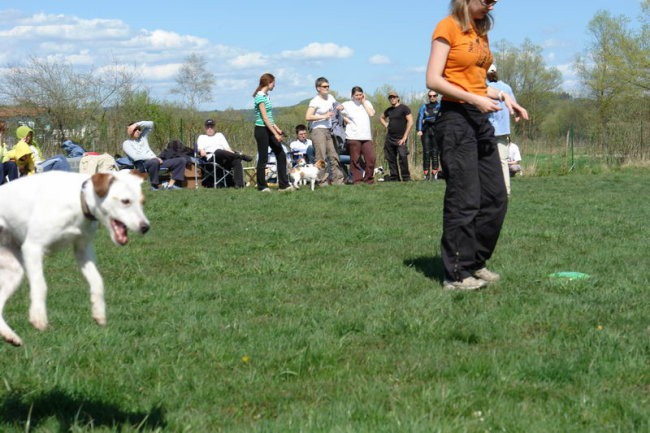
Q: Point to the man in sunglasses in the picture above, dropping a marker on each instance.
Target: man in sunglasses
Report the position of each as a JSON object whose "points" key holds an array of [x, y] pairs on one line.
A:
{"points": [[425, 126]]}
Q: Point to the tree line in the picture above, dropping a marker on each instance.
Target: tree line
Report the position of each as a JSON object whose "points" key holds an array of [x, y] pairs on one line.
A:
{"points": [[608, 113]]}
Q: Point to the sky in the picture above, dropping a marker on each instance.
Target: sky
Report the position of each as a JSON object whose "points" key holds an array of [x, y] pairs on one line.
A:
{"points": [[373, 44]]}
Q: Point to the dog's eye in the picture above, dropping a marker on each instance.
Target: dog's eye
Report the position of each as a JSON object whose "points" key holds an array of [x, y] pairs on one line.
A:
{"points": [[126, 201]]}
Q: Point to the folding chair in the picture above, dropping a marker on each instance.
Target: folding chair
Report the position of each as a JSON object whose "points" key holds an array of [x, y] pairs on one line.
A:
{"points": [[215, 175]]}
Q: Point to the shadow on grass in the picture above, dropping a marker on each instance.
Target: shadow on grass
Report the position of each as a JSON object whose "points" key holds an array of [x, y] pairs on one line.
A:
{"points": [[431, 267], [20, 408]]}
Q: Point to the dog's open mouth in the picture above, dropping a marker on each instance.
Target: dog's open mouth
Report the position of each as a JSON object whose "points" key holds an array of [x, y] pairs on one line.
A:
{"points": [[119, 232]]}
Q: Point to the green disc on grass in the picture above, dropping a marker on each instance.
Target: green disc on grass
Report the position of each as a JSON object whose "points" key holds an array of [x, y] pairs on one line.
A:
{"points": [[570, 275]]}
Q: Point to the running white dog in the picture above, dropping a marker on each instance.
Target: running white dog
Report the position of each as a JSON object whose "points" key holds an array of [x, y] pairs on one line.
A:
{"points": [[42, 212], [303, 173]]}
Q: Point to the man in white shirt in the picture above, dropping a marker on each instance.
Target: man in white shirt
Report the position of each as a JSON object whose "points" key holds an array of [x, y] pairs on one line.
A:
{"points": [[302, 147], [213, 144]]}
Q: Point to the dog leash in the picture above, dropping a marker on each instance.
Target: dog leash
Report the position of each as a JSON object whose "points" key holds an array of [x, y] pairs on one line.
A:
{"points": [[84, 205]]}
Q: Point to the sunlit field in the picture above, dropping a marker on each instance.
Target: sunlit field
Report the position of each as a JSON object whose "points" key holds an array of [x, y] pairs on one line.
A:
{"points": [[323, 312]]}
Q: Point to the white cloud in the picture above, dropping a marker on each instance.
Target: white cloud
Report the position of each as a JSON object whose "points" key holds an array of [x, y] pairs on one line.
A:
{"points": [[317, 50], [379, 59], [249, 60]]}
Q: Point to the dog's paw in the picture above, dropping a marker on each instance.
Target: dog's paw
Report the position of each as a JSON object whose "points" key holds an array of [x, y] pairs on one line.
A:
{"points": [[12, 339], [38, 319], [100, 320]]}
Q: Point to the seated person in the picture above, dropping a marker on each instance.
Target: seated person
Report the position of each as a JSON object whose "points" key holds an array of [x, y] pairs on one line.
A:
{"points": [[8, 167], [514, 159], [302, 147], [137, 148], [213, 144], [58, 162]]}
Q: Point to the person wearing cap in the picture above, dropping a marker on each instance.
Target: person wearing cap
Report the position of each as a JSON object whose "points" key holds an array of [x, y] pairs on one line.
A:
{"points": [[398, 121], [137, 148], [475, 200], [213, 144], [500, 120], [425, 126]]}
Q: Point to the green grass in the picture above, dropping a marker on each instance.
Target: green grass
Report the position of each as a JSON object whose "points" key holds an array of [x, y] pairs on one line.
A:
{"points": [[323, 312]]}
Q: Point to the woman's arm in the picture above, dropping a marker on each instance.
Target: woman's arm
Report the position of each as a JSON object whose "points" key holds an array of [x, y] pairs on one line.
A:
{"points": [[277, 132]]}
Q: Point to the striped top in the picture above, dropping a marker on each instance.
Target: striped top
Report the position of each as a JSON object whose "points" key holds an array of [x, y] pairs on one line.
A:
{"points": [[259, 98]]}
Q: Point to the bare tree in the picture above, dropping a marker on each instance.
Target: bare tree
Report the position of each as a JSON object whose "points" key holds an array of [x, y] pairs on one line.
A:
{"points": [[194, 82], [73, 102]]}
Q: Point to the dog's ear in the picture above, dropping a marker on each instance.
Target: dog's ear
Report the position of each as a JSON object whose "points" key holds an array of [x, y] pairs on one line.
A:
{"points": [[101, 183], [140, 174]]}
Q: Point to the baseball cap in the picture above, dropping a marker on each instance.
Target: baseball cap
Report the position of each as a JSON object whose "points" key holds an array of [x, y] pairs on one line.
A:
{"points": [[392, 93], [492, 68], [209, 122]]}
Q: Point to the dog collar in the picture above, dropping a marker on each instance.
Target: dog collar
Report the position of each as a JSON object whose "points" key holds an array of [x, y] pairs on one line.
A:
{"points": [[84, 205]]}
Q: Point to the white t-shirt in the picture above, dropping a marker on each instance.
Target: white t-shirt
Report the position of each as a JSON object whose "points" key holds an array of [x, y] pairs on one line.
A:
{"points": [[212, 143], [513, 153], [358, 127], [322, 106], [299, 146]]}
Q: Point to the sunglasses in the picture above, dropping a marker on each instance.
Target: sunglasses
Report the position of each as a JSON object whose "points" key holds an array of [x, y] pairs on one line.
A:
{"points": [[325, 86], [488, 3], [433, 96]]}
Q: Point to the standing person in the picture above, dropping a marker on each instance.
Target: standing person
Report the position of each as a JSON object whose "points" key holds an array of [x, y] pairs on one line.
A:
{"points": [[137, 148], [501, 122], [320, 113], [475, 196], [8, 167], [425, 126], [357, 114], [213, 144], [398, 121], [268, 134]]}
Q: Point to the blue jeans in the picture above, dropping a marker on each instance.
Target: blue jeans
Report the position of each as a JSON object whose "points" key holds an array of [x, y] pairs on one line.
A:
{"points": [[57, 162]]}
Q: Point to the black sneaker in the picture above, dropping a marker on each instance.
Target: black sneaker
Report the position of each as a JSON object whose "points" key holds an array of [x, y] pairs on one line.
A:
{"points": [[245, 157]]}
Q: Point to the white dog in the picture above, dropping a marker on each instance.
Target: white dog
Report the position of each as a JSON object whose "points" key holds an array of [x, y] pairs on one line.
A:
{"points": [[45, 211], [303, 173]]}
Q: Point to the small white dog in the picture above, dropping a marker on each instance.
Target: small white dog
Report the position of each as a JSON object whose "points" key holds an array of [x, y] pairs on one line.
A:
{"points": [[43, 212], [303, 173]]}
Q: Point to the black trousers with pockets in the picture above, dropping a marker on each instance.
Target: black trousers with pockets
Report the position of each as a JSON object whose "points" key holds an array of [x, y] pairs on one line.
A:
{"points": [[475, 201]]}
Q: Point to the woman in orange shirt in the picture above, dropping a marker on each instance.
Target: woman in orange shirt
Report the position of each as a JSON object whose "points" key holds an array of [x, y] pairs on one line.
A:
{"points": [[475, 195]]}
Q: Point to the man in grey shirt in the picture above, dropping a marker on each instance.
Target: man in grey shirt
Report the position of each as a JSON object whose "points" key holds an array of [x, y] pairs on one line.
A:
{"points": [[137, 148]]}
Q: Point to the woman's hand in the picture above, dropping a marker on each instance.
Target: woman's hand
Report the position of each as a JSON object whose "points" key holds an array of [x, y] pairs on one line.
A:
{"points": [[515, 109], [485, 104]]}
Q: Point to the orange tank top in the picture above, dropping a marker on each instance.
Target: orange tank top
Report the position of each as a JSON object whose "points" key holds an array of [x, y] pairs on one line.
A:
{"points": [[469, 57]]}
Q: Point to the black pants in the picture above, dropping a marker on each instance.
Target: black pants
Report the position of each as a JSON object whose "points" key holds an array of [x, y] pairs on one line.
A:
{"points": [[393, 151], [475, 195], [429, 149], [153, 166], [264, 139], [231, 161]]}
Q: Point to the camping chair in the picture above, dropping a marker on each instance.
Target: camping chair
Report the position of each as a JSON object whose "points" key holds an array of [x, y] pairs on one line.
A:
{"points": [[215, 175]]}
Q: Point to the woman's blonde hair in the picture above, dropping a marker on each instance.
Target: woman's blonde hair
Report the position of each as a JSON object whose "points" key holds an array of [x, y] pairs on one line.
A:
{"points": [[459, 9]]}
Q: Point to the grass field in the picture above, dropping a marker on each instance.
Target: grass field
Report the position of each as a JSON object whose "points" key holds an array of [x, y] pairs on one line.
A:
{"points": [[323, 312]]}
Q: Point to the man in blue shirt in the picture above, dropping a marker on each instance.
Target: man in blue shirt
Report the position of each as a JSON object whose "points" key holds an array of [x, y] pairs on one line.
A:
{"points": [[501, 122]]}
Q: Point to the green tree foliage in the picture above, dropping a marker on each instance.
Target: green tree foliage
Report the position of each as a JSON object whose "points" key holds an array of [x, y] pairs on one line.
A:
{"points": [[535, 85]]}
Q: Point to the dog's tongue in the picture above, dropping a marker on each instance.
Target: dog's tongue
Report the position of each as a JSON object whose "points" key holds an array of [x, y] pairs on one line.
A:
{"points": [[119, 232]]}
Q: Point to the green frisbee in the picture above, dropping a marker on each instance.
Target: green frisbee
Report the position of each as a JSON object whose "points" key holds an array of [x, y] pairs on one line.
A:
{"points": [[570, 275]]}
